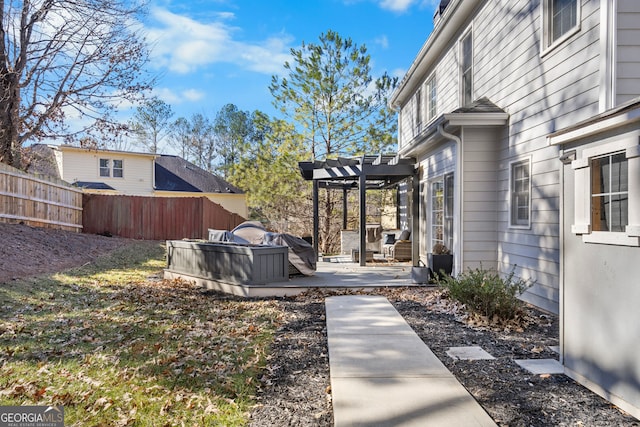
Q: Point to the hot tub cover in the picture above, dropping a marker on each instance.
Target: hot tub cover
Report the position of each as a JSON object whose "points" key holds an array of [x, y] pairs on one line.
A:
{"points": [[301, 253]]}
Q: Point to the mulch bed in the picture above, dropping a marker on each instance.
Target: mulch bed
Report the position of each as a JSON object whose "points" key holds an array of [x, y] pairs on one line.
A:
{"points": [[295, 390]]}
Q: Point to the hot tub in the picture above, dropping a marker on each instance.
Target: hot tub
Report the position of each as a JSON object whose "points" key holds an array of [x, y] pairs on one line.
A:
{"points": [[237, 264]]}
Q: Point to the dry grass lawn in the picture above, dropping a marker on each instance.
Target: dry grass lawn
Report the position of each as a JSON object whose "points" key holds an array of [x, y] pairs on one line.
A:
{"points": [[116, 345]]}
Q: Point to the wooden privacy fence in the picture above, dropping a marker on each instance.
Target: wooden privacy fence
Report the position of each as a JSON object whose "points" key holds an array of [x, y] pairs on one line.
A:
{"points": [[155, 218], [39, 201]]}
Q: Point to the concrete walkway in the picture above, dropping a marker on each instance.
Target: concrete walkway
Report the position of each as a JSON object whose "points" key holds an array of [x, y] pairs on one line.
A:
{"points": [[382, 374]]}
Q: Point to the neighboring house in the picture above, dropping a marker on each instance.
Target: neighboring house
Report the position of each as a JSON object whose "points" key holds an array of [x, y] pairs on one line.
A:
{"points": [[176, 177], [106, 171], [138, 174], [489, 109]]}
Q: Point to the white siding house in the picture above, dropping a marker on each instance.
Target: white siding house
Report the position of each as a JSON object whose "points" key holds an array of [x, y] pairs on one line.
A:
{"points": [[488, 86], [515, 110], [143, 174], [106, 171]]}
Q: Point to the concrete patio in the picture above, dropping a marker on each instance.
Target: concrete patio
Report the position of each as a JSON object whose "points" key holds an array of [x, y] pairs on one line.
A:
{"points": [[338, 272]]}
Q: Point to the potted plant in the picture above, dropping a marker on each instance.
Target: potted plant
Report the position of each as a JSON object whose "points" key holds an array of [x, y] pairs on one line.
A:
{"points": [[440, 260]]}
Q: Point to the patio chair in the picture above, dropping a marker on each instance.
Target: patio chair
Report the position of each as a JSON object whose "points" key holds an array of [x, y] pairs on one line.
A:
{"points": [[399, 250]]}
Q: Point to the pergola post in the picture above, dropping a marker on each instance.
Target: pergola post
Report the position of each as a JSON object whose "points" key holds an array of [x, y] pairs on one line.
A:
{"points": [[316, 219], [344, 208], [363, 220]]}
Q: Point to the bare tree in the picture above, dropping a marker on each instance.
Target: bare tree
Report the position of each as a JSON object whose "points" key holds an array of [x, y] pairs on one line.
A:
{"points": [[63, 60], [195, 139], [151, 123], [180, 137]]}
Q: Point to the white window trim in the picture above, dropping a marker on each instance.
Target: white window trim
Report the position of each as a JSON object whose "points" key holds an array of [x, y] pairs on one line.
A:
{"points": [[107, 168], [582, 206], [609, 53], [432, 239], [468, 31], [545, 25], [110, 168], [511, 207], [418, 112], [426, 100], [113, 168], [428, 210]]}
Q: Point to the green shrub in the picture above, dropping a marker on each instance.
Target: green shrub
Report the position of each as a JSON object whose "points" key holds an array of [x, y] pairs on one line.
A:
{"points": [[486, 293]]}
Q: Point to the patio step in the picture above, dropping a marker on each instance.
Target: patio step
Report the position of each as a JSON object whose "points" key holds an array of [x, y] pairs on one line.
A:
{"points": [[382, 374]]}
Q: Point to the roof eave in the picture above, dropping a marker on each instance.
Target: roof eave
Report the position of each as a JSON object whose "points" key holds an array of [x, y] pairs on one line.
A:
{"points": [[417, 144], [66, 147], [476, 119]]}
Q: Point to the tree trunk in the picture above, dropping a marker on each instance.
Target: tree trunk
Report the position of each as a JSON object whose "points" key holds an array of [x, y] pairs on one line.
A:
{"points": [[9, 119]]}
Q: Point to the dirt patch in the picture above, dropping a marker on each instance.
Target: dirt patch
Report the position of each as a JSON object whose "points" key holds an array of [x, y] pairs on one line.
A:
{"points": [[31, 251]]}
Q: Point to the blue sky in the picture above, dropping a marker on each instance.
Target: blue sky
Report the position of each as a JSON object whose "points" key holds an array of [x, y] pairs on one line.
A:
{"points": [[208, 53]]}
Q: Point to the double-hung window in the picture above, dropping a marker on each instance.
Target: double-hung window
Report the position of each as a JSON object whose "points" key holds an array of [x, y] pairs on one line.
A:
{"points": [[607, 204], [609, 193], [418, 111], [466, 68], [111, 168], [442, 196], [437, 212], [431, 96], [105, 168], [118, 170], [561, 19], [520, 188]]}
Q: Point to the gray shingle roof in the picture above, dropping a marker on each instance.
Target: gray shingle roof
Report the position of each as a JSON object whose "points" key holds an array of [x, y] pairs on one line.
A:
{"points": [[173, 173], [482, 105], [93, 185]]}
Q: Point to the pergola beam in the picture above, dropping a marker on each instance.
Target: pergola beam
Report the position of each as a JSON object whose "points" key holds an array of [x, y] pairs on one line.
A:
{"points": [[373, 172]]}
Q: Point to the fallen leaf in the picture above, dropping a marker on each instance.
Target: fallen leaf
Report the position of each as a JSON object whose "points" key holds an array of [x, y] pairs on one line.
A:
{"points": [[39, 393]]}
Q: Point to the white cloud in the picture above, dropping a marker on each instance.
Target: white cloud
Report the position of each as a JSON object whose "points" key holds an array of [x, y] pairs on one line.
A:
{"points": [[167, 95], [397, 5], [176, 98], [401, 6], [193, 95], [183, 45], [382, 41]]}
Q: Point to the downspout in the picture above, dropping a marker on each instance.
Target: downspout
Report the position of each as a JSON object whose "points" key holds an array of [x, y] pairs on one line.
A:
{"points": [[458, 207]]}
